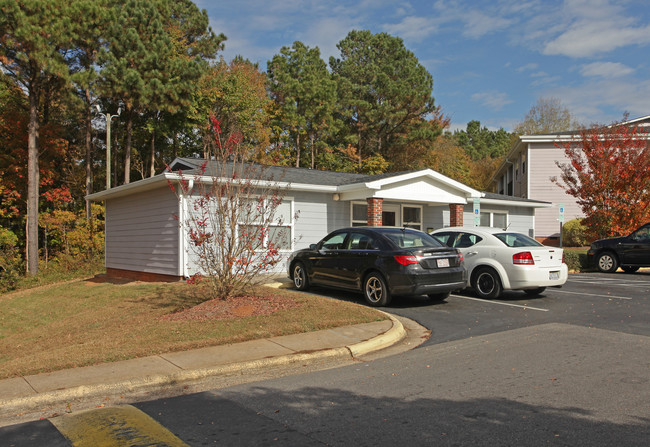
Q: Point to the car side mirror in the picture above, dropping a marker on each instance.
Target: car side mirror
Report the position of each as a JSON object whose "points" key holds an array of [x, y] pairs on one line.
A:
{"points": [[313, 246]]}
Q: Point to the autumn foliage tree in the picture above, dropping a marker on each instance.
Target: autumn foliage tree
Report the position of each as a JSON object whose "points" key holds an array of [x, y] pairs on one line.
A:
{"points": [[234, 217], [609, 174]]}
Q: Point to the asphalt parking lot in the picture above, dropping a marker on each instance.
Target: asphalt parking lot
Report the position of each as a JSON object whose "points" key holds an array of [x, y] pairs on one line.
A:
{"points": [[618, 302]]}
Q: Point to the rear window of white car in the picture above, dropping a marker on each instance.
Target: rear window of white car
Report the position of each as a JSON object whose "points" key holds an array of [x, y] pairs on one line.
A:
{"points": [[517, 240], [406, 239]]}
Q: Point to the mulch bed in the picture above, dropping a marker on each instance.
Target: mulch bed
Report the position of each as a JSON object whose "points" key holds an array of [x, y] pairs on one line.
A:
{"points": [[237, 307]]}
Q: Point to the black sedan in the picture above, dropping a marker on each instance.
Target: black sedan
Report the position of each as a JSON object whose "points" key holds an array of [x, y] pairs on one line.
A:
{"points": [[628, 252], [380, 262]]}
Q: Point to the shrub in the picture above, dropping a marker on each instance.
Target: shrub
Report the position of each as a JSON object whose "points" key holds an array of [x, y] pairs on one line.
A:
{"points": [[12, 267], [576, 260], [574, 234]]}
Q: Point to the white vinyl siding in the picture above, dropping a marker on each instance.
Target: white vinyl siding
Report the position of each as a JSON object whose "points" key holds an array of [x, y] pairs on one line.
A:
{"points": [[142, 232], [543, 167]]}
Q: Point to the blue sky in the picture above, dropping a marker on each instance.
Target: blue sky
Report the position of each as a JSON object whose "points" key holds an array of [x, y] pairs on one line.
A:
{"points": [[490, 60]]}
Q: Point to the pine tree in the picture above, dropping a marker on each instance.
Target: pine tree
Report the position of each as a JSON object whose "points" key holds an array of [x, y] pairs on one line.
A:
{"points": [[34, 35]]}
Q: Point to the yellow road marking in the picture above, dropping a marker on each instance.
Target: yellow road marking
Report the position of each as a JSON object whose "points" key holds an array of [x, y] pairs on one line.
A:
{"points": [[117, 426]]}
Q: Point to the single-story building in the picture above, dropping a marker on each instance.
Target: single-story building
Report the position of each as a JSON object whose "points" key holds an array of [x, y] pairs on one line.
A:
{"points": [[144, 239]]}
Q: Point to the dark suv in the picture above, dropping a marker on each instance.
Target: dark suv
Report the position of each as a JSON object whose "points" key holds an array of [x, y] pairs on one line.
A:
{"points": [[628, 252]]}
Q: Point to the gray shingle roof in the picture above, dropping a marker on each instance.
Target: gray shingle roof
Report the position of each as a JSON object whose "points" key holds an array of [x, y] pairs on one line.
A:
{"points": [[287, 174]]}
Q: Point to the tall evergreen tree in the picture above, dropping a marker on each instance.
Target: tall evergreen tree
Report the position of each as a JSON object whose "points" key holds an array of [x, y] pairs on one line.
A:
{"points": [[383, 89], [480, 142], [156, 51], [34, 35], [89, 21], [304, 91]]}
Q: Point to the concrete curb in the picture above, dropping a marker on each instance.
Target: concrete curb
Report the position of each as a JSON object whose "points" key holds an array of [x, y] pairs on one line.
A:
{"points": [[147, 384], [388, 338]]}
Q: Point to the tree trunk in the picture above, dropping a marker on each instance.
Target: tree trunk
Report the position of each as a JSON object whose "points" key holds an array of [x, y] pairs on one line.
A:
{"points": [[32, 184], [359, 147], [152, 169], [297, 149], [127, 149], [313, 152], [89, 155]]}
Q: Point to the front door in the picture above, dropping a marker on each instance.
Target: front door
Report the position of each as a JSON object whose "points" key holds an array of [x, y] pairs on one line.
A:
{"points": [[390, 215]]}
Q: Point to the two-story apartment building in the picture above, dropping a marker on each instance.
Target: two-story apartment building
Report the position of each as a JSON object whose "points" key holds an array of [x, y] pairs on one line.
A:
{"points": [[527, 173]]}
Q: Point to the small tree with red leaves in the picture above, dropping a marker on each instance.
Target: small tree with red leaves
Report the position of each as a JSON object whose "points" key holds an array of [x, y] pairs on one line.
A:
{"points": [[235, 218], [609, 174]]}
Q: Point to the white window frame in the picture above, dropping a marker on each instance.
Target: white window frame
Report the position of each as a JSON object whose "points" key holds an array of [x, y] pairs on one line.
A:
{"points": [[493, 212], [287, 224]]}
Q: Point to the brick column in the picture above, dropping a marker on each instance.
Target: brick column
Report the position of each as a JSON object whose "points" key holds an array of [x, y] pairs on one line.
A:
{"points": [[456, 215], [375, 206]]}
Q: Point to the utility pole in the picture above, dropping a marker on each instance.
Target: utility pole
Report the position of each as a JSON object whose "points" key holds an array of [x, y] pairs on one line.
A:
{"points": [[109, 117]]}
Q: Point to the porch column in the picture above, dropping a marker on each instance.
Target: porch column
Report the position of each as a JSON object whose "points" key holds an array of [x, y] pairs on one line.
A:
{"points": [[456, 215], [374, 211]]}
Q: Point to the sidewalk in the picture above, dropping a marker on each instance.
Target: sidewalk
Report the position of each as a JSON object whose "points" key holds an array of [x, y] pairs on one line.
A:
{"points": [[19, 395]]}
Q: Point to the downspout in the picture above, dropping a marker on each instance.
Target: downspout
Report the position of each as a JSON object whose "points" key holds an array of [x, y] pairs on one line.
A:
{"points": [[182, 206], [528, 171], [181, 235]]}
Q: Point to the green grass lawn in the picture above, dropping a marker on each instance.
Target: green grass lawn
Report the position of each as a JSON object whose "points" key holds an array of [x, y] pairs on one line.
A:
{"points": [[85, 322]]}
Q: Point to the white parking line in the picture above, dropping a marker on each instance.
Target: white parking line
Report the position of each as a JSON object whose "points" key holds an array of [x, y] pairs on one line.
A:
{"points": [[593, 294], [592, 278], [620, 284], [499, 302]]}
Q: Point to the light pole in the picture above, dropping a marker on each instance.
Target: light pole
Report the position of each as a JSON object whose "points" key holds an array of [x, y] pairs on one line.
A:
{"points": [[109, 117]]}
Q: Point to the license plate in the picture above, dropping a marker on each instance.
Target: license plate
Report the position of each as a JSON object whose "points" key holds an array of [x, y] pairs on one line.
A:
{"points": [[442, 262], [553, 275]]}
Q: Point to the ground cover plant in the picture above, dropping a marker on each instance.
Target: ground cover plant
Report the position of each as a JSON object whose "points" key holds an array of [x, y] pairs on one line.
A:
{"points": [[86, 322]]}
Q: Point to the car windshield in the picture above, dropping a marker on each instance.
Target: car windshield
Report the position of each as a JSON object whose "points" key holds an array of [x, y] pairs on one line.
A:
{"points": [[411, 239], [517, 240]]}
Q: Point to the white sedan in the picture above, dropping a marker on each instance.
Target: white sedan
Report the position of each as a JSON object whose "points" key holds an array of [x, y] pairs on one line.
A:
{"points": [[498, 260]]}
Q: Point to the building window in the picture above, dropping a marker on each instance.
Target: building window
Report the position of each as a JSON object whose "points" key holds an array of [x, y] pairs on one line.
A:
{"points": [[412, 217], [494, 219], [359, 214], [523, 163], [280, 228]]}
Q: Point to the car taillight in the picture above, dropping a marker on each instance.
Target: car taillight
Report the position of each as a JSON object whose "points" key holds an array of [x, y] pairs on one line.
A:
{"points": [[525, 258], [563, 258], [407, 259]]}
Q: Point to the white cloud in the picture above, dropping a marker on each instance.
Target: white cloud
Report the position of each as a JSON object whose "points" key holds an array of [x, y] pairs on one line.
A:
{"points": [[589, 101], [478, 24], [325, 33], [588, 39], [412, 28], [492, 99], [594, 27], [606, 69], [527, 67]]}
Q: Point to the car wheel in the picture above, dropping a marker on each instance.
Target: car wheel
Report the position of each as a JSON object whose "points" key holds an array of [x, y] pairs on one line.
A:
{"points": [[375, 290], [607, 262], [487, 283], [533, 292], [629, 269], [300, 279], [439, 296]]}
